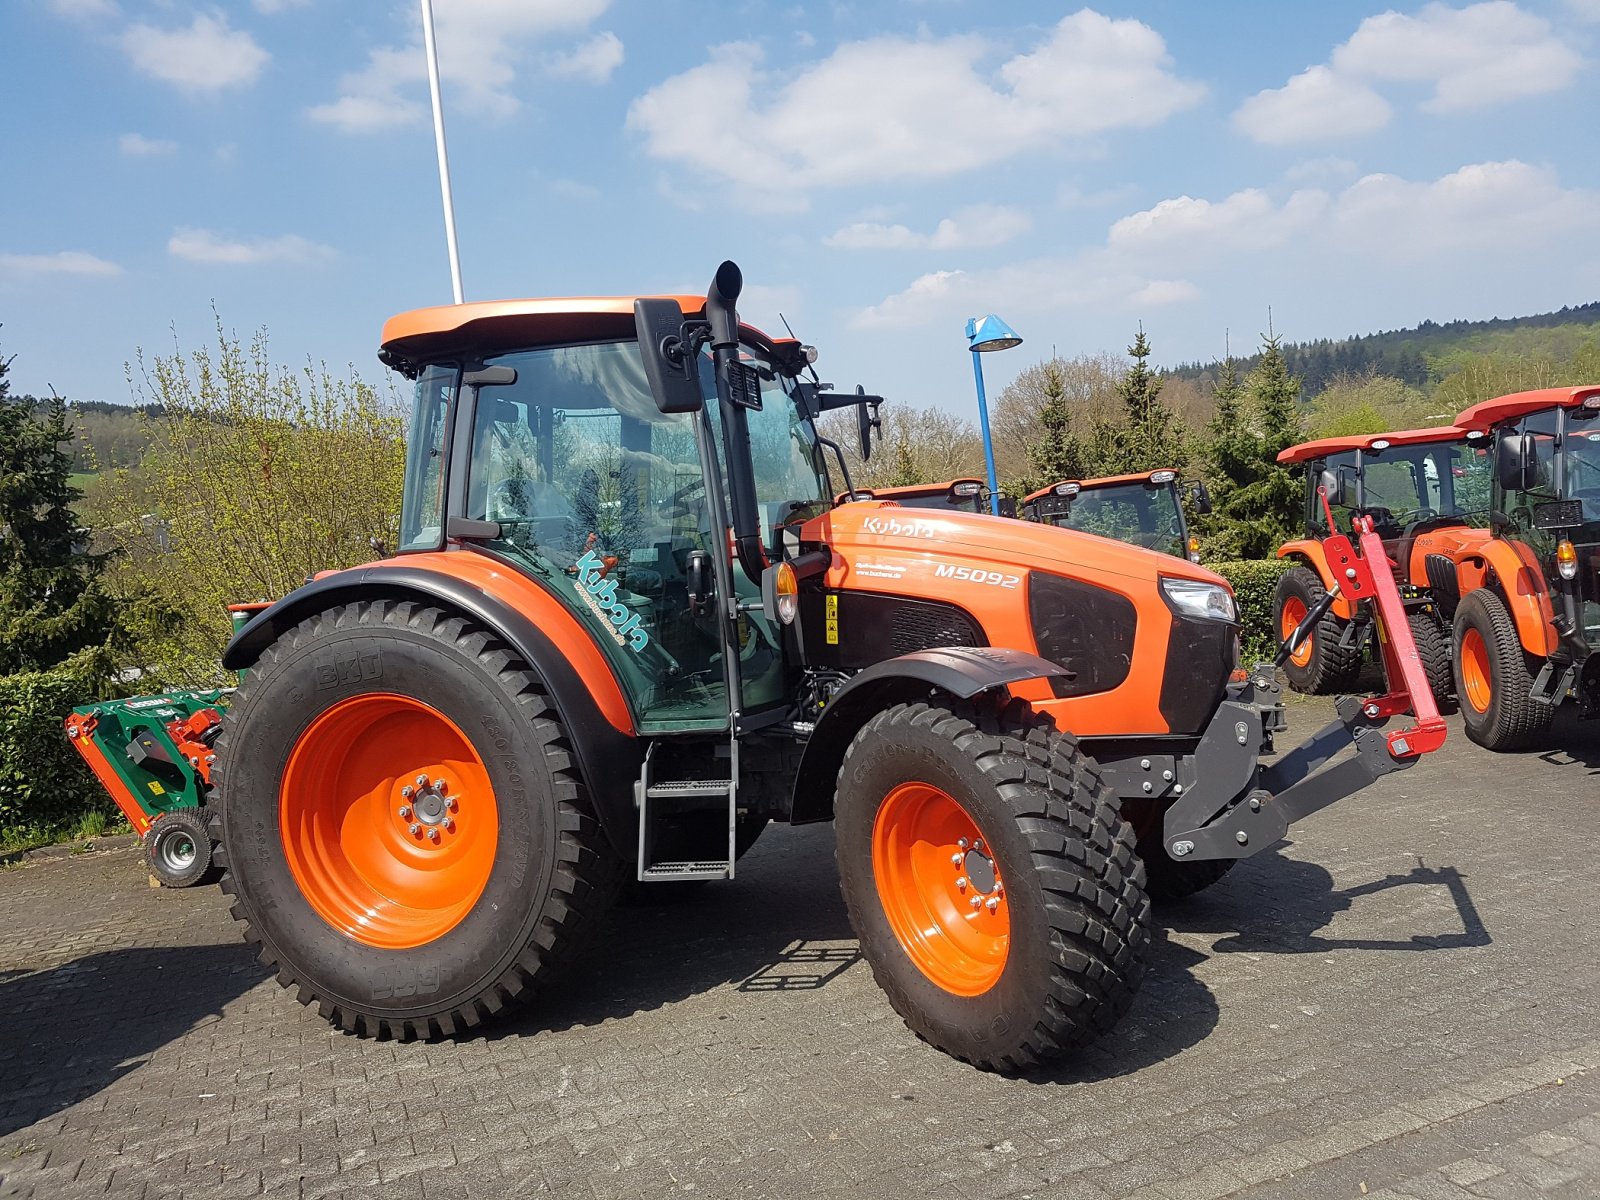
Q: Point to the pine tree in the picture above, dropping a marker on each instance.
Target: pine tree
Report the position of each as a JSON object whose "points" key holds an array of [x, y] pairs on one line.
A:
{"points": [[905, 466], [1150, 435], [1056, 454], [52, 608]]}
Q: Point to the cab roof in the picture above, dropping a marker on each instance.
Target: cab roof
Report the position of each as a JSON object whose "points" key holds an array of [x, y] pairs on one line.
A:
{"points": [[1099, 481], [910, 489], [1487, 413], [1322, 447], [490, 326]]}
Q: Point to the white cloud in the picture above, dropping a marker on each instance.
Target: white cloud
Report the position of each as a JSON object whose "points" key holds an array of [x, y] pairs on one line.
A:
{"points": [[1315, 104], [205, 246], [1475, 57], [978, 226], [273, 7], [591, 62], [1247, 219], [66, 262], [1472, 58], [136, 145], [1320, 168], [83, 9], [205, 57], [893, 108], [481, 44]]}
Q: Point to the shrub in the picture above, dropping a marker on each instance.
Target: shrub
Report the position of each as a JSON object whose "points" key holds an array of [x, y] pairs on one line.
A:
{"points": [[42, 778], [1254, 581]]}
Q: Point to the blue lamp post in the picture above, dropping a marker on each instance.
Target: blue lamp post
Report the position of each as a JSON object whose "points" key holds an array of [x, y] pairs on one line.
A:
{"points": [[983, 335]]}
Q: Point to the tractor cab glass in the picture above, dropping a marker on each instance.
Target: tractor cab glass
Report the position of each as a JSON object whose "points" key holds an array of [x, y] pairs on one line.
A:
{"points": [[966, 495], [1406, 490], [1138, 512], [422, 505]]}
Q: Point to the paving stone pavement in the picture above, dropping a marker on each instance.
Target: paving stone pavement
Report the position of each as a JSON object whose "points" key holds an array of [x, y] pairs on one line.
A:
{"points": [[1398, 1002]]}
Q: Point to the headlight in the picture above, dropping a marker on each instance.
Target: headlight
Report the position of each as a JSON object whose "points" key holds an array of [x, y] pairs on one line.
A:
{"points": [[1193, 598]]}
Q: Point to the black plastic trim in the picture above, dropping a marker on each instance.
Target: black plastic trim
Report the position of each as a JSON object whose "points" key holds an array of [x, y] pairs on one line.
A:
{"points": [[608, 759]]}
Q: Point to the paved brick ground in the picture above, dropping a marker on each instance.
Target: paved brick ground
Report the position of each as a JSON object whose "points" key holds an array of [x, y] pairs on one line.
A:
{"points": [[1399, 1003]]}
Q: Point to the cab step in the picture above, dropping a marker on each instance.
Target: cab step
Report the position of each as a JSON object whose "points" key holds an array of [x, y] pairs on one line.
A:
{"points": [[677, 871], [692, 820], [690, 787]]}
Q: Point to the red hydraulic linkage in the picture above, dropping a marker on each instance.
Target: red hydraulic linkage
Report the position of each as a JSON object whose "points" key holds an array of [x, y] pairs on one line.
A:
{"points": [[1368, 576]]}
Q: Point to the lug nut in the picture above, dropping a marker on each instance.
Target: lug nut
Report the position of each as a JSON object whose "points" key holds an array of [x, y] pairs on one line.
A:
{"points": [[977, 902], [978, 845], [433, 834], [962, 842], [416, 829], [998, 889], [422, 781], [955, 860], [408, 791], [405, 812], [439, 786], [961, 884], [1242, 838], [993, 903], [449, 825], [451, 804]]}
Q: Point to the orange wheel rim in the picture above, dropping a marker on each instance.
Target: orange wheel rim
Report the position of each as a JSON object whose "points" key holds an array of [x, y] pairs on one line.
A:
{"points": [[940, 887], [1475, 670], [388, 820], [1294, 611]]}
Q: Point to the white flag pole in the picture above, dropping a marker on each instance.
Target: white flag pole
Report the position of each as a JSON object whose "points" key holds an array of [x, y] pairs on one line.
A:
{"points": [[444, 158]]}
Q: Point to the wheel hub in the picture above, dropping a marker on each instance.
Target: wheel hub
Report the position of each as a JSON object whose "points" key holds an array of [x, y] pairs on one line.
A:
{"points": [[428, 809], [980, 871]]}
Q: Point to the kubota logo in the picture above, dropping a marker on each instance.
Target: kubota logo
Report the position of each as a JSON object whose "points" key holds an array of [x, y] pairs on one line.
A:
{"points": [[895, 527], [600, 594]]}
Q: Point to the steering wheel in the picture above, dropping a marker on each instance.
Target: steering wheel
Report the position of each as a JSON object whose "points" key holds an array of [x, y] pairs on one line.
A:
{"points": [[678, 504]]}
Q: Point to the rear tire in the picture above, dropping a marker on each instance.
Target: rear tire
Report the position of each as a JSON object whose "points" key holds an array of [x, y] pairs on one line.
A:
{"points": [[1057, 961], [1322, 666], [177, 848], [1432, 636], [386, 929], [1494, 675]]}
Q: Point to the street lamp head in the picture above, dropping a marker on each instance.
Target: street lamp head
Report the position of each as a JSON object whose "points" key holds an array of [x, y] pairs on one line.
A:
{"points": [[990, 333]]}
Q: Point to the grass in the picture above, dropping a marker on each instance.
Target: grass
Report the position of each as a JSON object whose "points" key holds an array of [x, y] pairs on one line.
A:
{"points": [[94, 823], [80, 479]]}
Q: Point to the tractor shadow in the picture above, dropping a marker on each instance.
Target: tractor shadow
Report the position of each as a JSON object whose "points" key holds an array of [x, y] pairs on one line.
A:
{"points": [[73, 1030], [1273, 904]]}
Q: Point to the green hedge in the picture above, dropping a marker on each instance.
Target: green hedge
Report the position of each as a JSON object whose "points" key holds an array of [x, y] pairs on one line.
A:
{"points": [[1253, 584], [42, 778]]}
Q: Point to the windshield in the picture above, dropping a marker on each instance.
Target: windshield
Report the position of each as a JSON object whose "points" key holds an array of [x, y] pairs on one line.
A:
{"points": [[1401, 487], [1142, 514], [940, 500]]}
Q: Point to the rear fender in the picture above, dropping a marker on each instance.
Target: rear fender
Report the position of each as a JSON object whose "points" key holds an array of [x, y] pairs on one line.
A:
{"points": [[959, 672], [1511, 568], [1310, 553], [533, 623]]}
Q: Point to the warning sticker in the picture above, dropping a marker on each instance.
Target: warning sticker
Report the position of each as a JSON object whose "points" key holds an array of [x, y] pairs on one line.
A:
{"points": [[831, 616]]}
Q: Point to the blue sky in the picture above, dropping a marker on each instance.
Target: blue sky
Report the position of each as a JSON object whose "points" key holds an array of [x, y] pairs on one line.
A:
{"points": [[881, 171]]}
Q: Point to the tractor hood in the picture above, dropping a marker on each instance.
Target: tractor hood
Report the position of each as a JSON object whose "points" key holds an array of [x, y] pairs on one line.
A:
{"points": [[921, 537]]}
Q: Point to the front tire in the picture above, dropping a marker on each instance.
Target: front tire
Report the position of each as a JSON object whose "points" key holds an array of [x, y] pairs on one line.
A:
{"points": [[404, 829], [1494, 676], [1026, 943], [1432, 636], [1321, 666]]}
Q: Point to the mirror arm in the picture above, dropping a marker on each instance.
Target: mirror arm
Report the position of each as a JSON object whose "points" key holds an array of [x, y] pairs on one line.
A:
{"points": [[844, 468]]}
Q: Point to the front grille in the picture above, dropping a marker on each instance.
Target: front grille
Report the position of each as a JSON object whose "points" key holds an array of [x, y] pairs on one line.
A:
{"points": [[926, 626], [1088, 630]]}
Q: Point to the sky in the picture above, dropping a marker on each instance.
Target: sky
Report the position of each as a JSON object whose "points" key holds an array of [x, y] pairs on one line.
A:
{"points": [[881, 171]]}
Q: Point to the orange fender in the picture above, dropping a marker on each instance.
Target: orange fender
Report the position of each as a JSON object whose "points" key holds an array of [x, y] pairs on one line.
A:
{"points": [[1521, 581], [1310, 552]]}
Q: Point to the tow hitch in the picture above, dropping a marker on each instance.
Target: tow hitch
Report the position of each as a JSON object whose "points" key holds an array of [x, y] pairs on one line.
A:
{"points": [[1214, 818]]}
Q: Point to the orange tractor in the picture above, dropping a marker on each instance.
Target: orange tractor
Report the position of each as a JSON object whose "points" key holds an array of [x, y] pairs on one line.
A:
{"points": [[1525, 593], [1422, 489], [960, 495], [627, 628], [1143, 509]]}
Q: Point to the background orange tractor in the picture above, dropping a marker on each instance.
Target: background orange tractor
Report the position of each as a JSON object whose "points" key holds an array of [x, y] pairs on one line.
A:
{"points": [[627, 628], [1526, 593], [1143, 509], [960, 495], [1423, 490]]}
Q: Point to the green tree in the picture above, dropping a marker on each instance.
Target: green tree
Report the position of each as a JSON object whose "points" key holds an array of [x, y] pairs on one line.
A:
{"points": [[1055, 454], [1148, 434], [256, 477], [905, 467], [1256, 501], [53, 610]]}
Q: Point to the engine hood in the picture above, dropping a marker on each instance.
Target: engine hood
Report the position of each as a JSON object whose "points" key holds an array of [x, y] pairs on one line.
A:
{"points": [[1004, 541]]}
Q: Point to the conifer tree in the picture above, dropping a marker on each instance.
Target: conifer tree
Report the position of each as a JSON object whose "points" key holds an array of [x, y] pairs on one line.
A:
{"points": [[905, 466], [1056, 454]]}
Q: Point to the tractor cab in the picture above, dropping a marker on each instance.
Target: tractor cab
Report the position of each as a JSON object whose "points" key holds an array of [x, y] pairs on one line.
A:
{"points": [[1410, 483], [1544, 517], [954, 495], [1143, 509]]}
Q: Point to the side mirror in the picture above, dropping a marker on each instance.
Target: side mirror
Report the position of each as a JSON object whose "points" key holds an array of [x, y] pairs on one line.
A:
{"points": [[867, 420], [1008, 507], [1202, 498], [674, 379], [1516, 467], [1332, 482]]}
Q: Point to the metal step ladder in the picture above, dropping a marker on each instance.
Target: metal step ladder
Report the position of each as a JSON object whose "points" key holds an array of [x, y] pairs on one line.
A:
{"points": [[655, 799]]}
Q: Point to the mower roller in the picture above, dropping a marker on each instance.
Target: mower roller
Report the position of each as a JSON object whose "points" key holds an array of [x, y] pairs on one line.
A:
{"points": [[628, 627]]}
